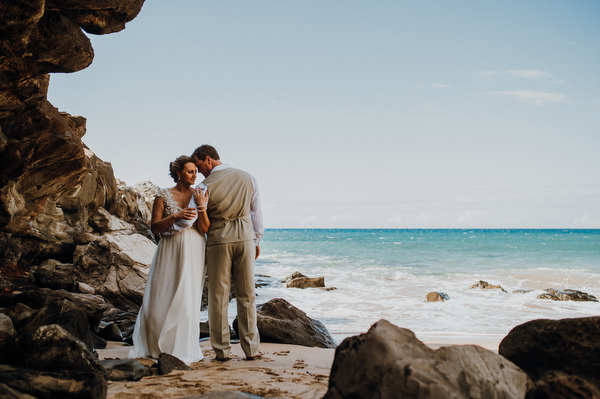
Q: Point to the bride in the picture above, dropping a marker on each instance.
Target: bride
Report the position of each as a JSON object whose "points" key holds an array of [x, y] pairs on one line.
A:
{"points": [[169, 318]]}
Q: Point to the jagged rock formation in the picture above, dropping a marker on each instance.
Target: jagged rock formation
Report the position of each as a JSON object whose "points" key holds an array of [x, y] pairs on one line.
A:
{"points": [[55, 194], [50, 183]]}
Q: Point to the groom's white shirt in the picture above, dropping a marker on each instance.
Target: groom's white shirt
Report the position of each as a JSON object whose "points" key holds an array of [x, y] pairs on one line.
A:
{"points": [[255, 207]]}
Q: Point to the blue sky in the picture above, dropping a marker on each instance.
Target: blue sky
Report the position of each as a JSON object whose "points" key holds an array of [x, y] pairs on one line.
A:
{"points": [[359, 114]]}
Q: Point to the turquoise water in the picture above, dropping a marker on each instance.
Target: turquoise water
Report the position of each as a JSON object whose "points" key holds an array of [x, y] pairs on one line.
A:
{"points": [[386, 274]]}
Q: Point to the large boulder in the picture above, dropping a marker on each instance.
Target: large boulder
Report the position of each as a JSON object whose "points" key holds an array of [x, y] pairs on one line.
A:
{"points": [[116, 267], [558, 355], [280, 321], [94, 306], [66, 314], [51, 348], [50, 183], [390, 362], [55, 275], [23, 383]]}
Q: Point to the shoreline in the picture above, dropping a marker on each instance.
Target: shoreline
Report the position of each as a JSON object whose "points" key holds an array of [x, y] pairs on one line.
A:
{"points": [[285, 371]]}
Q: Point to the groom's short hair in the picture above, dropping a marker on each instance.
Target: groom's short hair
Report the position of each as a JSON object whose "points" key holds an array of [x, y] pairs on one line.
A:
{"points": [[204, 151]]}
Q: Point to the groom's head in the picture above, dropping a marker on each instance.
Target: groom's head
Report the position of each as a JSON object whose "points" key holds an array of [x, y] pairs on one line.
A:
{"points": [[206, 158]]}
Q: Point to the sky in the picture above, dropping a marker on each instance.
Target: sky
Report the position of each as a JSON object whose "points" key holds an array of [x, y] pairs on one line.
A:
{"points": [[360, 114]]}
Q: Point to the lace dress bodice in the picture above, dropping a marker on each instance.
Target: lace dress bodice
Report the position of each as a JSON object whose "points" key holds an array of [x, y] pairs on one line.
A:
{"points": [[171, 206]]}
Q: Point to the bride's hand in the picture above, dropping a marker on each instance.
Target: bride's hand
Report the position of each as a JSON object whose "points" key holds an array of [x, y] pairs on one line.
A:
{"points": [[200, 197], [186, 213]]}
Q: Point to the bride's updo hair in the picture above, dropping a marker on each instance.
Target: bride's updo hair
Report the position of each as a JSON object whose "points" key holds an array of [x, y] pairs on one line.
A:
{"points": [[177, 166]]}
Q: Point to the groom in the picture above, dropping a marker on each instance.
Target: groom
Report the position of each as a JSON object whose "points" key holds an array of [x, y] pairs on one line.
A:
{"points": [[232, 245]]}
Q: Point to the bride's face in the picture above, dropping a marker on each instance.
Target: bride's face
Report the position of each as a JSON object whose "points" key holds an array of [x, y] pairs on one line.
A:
{"points": [[188, 174]]}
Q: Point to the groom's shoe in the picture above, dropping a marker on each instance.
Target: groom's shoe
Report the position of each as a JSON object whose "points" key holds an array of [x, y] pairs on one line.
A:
{"points": [[222, 359], [255, 357]]}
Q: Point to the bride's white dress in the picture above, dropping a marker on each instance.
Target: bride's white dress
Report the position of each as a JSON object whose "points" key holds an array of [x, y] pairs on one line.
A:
{"points": [[169, 318]]}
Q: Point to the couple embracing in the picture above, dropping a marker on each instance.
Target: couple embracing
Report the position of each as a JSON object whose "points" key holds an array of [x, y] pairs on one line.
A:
{"points": [[216, 225]]}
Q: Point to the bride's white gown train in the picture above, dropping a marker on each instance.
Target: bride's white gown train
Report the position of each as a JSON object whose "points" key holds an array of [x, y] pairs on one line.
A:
{"points": [[169, 318]]}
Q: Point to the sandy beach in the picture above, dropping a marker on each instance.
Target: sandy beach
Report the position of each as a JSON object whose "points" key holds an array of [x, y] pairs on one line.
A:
{"points": [[285, 371]]}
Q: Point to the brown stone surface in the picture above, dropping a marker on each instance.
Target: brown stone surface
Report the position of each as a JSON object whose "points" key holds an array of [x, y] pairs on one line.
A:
{"points": [[557, 353]]}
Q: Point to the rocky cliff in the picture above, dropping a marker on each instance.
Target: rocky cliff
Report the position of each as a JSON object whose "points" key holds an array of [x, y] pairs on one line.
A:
{"points": [[56, 196]]}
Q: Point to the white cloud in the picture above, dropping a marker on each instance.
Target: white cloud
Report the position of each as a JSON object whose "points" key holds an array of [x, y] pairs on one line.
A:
{"points": [[537, 98], [519, 73]]}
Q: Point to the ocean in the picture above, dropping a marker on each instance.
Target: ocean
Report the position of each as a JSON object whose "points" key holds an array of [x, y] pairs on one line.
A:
{"points": [[386, 274]]}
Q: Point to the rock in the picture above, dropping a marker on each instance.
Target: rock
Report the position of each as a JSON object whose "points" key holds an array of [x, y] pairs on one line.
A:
{"points": [[7, 329], [53, 348], [124, 320], [110, 332], [204, 329], [280, 321], [124, 369], [567, 295], [437, 296], [50, 182], [557, 354], [104, 222], [54, 275], [292, 276], [26, 383], [19, 313], [168, 363], [97, 341], [7, 338], [116, 266], [66, 314], [306, 282], [225, 395], [85, 288], [94, 306], [521, 291], [484, 285], [390, 362]]}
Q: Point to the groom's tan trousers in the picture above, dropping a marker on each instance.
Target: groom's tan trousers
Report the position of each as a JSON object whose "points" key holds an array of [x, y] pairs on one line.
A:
{"points": [[224, 261]]}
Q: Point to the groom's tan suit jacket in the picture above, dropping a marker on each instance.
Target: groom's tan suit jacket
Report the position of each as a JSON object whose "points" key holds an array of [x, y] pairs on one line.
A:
{"points": [[229, 196]]}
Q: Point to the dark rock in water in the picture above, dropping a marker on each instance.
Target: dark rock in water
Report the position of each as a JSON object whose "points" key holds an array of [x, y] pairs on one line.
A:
{"points": [[280, 321], [53, 348], [306, 282], [484, 285], [55, 275], [390, 362], [124, 369], [437, 297], [168, 363], [27, 383], [292, 276], [567, 295], [521, 291], [66, 314], [556, 352]]}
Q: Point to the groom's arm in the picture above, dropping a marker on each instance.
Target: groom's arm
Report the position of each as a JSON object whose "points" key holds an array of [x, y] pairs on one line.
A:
{"points": [[256, 215]]}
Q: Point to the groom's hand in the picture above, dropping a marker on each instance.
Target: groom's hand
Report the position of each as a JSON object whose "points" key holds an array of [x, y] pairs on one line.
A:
{"points": [[257, 252]]}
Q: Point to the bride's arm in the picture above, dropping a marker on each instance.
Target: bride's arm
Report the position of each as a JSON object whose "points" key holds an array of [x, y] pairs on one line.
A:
{"points": [[159, 223], [201, 199]]}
